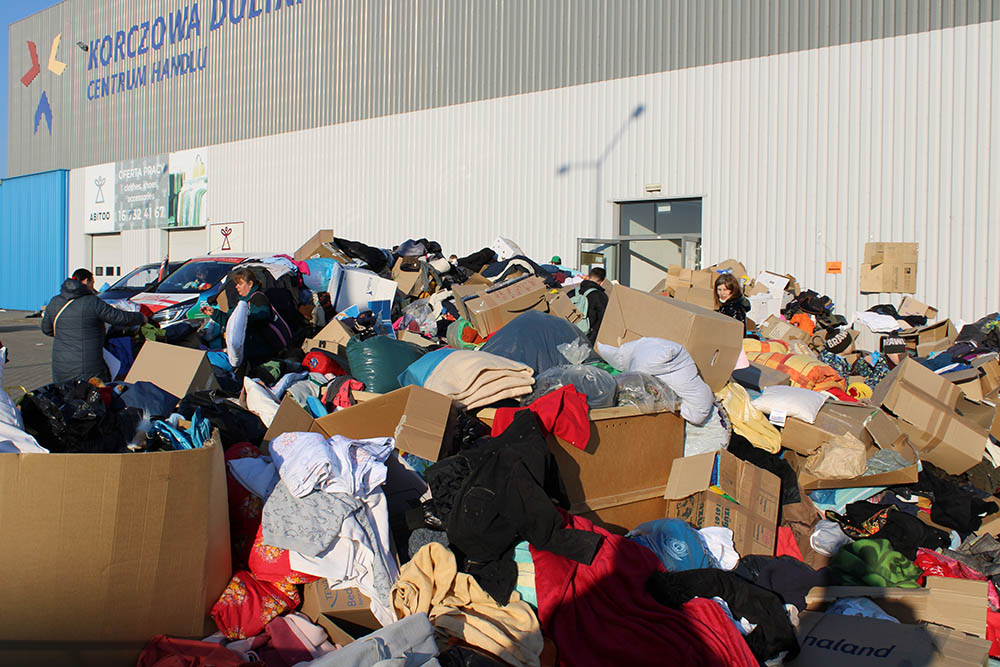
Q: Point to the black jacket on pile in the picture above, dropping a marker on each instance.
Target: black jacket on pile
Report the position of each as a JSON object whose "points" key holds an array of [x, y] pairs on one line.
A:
{"points": [[505, 491], [79, 331], [774, 632], [597, 304]]}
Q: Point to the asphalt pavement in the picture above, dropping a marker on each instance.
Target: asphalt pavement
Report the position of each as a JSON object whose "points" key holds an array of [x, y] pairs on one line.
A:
{"points": [[29, 352]]}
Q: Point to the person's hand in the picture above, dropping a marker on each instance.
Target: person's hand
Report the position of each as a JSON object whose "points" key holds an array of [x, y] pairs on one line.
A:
{"points": [[206, 309]]}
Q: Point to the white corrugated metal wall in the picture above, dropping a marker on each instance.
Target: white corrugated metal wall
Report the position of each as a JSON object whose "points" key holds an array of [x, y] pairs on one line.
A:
{"points": [[801, 159]]}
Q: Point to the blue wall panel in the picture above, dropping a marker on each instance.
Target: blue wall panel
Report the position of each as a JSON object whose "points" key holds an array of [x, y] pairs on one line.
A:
{"points": [[33, 223]]}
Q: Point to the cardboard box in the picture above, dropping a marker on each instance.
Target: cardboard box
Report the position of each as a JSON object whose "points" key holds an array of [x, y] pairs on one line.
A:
{"points": [[777, 329], [959, 604], [911, 306], [618, 482], [703, 298], [489, 308], [505, 249], [718, 489], [344, 613], [928, 339], [712, 339], [561, 306], [334, 338], [879, 432], [112, 547], [774, 284], [897, 253], [924, 404], [408, 282], [350, 286], [732, 266], [979, 382], [415, 338], [853, 641], [889, 277], [172, 368], [320, 245], [833, 419]]}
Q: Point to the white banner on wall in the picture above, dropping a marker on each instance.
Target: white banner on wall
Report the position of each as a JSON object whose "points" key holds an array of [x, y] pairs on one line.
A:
{"points": [[99, 199], [225, 237]]}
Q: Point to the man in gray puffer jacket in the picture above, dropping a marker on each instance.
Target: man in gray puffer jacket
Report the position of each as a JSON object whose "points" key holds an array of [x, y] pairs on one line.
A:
{"points": [[76, 319]]}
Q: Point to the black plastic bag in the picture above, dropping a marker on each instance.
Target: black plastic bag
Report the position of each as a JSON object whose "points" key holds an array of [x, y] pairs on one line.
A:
{"points": [[234, 423], [70, 417]]}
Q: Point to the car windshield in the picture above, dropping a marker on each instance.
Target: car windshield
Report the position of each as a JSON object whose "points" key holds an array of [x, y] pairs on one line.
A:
{"points": [[138, 279], [195, 277]]}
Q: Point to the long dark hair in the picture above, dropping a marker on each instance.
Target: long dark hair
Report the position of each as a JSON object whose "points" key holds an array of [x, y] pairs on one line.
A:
{"points": [[730, 281]]}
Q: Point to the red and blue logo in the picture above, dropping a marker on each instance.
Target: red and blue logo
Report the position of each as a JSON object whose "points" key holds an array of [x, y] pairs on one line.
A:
{"points": [[44, 109]]}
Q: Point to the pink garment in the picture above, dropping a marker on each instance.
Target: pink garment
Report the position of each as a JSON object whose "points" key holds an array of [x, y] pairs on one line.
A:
{"points": [[301, 266], [286, 641]]}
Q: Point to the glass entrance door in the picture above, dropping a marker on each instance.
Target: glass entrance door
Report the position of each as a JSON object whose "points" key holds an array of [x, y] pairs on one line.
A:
{"points": [[598, 252]]}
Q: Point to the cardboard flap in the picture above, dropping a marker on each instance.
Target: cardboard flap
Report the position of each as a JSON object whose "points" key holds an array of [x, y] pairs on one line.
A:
{"points": [[689, 475], [175, 369], [290, 418], [417, 417]]}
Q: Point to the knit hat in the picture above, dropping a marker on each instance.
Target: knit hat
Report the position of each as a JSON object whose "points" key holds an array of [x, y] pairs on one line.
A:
{"points": [[556, 259], [893, 345], [839, 342]]}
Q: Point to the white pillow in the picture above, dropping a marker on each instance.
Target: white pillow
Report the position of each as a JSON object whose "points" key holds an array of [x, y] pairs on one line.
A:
{"points": [[795, 402], [260, 400], [236, 333]]}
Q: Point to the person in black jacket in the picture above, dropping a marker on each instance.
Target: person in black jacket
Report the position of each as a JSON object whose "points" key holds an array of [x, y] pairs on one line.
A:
{"points": [[76, 318], [729, 299], [597, 300]]}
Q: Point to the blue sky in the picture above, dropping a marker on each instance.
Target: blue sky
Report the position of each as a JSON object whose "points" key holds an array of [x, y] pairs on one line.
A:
{"points": [[10, 11]]}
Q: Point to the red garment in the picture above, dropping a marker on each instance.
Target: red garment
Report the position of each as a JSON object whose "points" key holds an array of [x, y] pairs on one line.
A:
{"points": [[343, 399], [562, 412], [279, 646], [164, 651], [271, 564], [244, 508], [248, 605], [938, 565], [993, 632], [601, 614], [787, 546], [841, 395]]}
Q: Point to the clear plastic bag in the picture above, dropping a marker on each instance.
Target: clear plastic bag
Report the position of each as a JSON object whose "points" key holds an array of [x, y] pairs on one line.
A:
{"points": [[596, 383], [885, 460], [421, 313], [645, 392]]}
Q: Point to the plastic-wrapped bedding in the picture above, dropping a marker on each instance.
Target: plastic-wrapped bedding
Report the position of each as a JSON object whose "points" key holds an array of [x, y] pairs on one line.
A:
{"points": [[672, 364], [533, 338], [380, 360]]}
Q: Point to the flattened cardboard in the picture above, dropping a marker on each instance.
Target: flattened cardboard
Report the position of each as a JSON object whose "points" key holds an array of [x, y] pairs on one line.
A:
{"points": [[774, 328], [178, 370], [416, 417], [900, 253], [713, 340], [959, 604], [889, 278], [833, 419], [911, 306], [983, 381], [618, 482], [415, 338], [112, 547], [853, 641], [744, 498], [334, 338], [923, 403], [487, 310]]}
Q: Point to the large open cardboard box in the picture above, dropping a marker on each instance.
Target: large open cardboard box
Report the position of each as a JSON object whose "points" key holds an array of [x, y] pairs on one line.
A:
{"points": [[172, 368], [619, 480], [104, 551], [718, 489], [334, 338], [712, 339], [775, 328], [924, 405], [931, 338]]}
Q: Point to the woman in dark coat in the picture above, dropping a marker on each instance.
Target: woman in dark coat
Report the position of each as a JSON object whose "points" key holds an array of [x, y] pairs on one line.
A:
{"points": [[729, 299], [75, 318]]}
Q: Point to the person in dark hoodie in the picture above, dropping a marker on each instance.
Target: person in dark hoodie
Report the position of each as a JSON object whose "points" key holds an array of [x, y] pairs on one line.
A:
{"points": [[75, 318], [729, 299], [597, 300]]}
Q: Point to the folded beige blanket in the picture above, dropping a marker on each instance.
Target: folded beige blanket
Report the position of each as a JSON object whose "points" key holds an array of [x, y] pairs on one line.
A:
{"points": [[459, 370], [458, 607], [492, 392], [486, 377]]}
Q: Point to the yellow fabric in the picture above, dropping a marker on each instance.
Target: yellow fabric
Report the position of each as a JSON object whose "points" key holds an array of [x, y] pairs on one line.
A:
{"points": [[458, 607], [747, 420], [754, 346]]}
